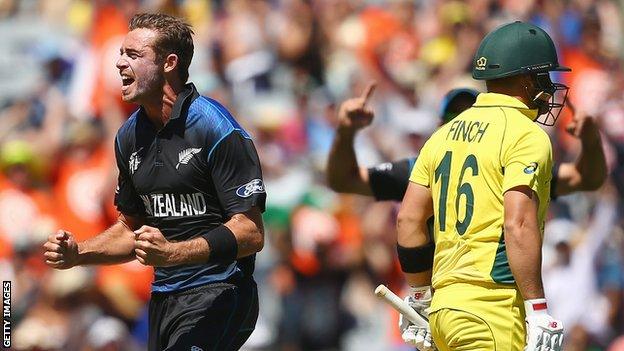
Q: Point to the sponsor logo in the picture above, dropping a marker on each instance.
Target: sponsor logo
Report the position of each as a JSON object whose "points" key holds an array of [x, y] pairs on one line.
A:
{"points": [[135, 160], [419, 295], [196, 348], [531, 168], [254, 187], [174, 205], [481, 63], [185, 156], [539, 67]]}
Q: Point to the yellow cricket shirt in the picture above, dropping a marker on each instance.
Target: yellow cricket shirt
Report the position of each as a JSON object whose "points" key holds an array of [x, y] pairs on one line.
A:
{"points": [[469, 164]]}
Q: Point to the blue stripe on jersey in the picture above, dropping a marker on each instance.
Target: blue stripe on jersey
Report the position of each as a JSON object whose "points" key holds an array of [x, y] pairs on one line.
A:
{"points": [[186, 277]]}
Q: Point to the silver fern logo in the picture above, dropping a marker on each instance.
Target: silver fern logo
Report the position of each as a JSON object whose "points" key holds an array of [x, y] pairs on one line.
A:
{"points": [[135, 160], [185, 156]]}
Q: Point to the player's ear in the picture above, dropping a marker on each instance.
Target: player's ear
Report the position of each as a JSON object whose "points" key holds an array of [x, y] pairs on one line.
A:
{"points": [[171, 62]]}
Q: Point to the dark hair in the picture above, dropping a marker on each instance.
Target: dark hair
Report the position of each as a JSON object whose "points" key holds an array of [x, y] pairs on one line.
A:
{"points": [[174, 37]]}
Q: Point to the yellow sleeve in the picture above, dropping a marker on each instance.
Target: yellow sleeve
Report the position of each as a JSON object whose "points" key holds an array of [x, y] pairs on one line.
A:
{"points": [[420, 172], [528, 161]]}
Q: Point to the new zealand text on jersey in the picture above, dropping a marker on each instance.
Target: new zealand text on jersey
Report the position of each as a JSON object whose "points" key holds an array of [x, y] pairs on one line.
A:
{"points": [[174, 205], [469, 131]]}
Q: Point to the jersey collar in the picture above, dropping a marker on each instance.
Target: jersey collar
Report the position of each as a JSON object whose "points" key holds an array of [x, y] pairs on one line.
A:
{"points": [[501, 100], [185, 97], [183, 101]]}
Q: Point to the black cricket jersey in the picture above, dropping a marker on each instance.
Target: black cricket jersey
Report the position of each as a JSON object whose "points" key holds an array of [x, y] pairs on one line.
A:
{"points": [[388, 181], [188, 178]]}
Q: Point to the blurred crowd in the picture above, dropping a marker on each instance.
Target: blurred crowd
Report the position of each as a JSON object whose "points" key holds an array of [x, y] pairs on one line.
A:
{"points": [[282, 67]]}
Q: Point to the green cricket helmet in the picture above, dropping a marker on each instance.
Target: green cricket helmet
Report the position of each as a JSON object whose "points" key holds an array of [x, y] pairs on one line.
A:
{"points": [[513, 49], [522, 48]]}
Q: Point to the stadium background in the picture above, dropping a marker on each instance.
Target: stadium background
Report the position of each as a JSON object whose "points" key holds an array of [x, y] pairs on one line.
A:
{"points": [[282, 67]]}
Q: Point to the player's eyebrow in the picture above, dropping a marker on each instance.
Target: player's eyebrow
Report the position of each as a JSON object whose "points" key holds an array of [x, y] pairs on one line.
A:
{"points": [[130, 51]]}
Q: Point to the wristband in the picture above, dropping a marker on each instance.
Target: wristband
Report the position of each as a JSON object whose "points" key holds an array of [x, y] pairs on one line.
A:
{"points": [[416, 259], [222, 243], [534, 306]]}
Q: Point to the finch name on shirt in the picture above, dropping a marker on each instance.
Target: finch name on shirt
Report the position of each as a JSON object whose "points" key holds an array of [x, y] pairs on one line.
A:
{"points": [[174, 205], [467, 131]]}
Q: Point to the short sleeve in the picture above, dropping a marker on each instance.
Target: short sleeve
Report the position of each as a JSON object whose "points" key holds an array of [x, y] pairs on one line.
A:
{"points": [[388, 181], [127, 200], [421, 173], [236, 174], [528, 162]]}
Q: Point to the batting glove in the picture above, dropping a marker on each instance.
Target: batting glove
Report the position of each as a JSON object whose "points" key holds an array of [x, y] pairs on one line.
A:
{"points": [[419, 299], [544, 333]]}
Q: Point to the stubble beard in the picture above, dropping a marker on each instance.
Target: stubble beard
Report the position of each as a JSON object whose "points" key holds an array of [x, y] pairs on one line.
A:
{"points": [[148, 89]]}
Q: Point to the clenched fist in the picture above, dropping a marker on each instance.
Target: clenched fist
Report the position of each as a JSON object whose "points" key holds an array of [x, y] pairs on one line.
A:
{"points": [[152, 248], [61, 250]]}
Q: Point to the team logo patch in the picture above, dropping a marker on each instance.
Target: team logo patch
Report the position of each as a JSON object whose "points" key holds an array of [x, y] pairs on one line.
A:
{"points": [[185, 156], [481, 62], [531, 168], [196, 348], [134, 162], [254, 187]]}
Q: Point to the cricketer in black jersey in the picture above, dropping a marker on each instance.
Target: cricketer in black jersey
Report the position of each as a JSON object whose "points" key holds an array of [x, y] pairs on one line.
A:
{"points": [[190, 196], [188, 178]]}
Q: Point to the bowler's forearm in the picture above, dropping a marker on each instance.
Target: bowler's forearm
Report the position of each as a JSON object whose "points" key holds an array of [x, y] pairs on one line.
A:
{"points": [[114, 245], [343, 171], [247, 229]]}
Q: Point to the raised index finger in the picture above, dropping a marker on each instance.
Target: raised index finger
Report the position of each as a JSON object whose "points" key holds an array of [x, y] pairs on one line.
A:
{"points": [[368, 92]]}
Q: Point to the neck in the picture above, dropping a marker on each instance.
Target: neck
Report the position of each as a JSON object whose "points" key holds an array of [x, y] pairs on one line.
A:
{"points": [[512, 86], [159, 109]]}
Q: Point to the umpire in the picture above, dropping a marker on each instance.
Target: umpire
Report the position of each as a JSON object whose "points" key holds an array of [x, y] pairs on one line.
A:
{"points": [[190, 196]]}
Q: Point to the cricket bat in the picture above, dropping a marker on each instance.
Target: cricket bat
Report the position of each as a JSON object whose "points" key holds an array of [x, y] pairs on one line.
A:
{"points": [[383, 293]]}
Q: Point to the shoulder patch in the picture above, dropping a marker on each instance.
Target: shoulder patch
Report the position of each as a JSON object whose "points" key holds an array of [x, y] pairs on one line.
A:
{"points": [[531, 168], [255, 186]]}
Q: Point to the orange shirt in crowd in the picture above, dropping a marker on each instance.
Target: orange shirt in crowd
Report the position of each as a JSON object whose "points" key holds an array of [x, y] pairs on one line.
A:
{"points": [[581, 64], [24, 212], [109, 27], [80, 192]]}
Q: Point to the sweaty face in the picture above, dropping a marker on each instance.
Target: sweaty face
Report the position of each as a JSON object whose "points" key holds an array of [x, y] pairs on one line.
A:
{"points": [[141, 75]]}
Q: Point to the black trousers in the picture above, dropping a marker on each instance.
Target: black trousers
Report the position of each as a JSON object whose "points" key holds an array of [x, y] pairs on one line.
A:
{"points": [[218, 316]]}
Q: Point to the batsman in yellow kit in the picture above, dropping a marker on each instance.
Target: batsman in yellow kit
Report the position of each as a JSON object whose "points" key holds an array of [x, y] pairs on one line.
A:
{"points": [[485, 179]]}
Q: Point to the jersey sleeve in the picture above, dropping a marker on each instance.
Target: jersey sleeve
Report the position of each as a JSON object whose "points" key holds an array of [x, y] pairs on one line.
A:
{"points": [[388, 181], [236, 174], [528, 162], [127, 200], [421, 173]]}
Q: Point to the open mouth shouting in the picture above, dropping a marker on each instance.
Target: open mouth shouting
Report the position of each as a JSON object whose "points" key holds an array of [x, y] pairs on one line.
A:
{"points": [[126, 82]]}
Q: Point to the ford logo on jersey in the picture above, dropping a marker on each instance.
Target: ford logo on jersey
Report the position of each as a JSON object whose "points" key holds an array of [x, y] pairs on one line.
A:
{"points": [[254, 187]]}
